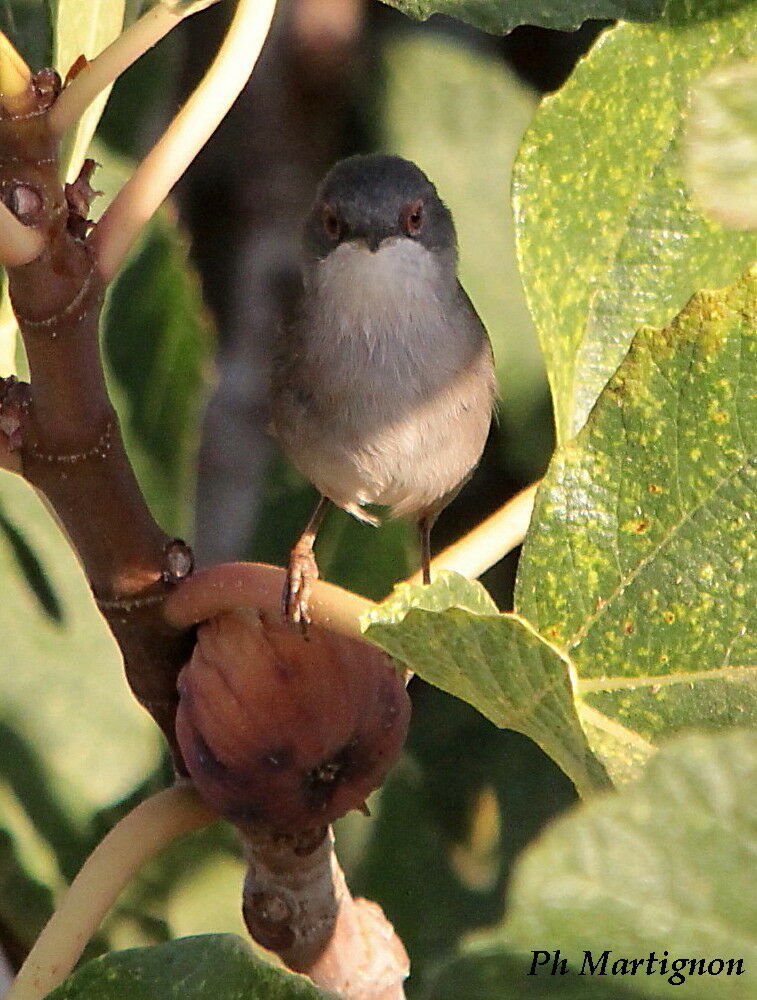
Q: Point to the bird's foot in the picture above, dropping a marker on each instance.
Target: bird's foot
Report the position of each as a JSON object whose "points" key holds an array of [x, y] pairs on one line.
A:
{"points": [[301, 574]]}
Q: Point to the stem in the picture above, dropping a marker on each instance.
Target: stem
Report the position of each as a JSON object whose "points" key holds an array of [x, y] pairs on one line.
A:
{"points": [[224, 587], [112, 61], [19, 244], [489, 541], [132, 841], [163, 166], [15, 75]]}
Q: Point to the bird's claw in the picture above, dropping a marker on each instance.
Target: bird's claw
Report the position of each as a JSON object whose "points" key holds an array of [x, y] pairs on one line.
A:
{"points": [[295, 598]]}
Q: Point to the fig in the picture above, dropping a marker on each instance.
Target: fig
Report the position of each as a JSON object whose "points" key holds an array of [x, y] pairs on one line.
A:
{"points": [[284, 732]]}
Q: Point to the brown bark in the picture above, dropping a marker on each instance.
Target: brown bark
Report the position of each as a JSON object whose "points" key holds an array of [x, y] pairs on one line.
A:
{"points": [[64, 430]]}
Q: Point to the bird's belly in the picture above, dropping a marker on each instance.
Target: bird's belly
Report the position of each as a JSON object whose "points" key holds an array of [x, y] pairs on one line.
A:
{"points": [[408, 456]]}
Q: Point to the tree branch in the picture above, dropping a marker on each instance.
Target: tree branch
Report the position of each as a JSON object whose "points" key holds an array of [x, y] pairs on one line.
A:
{"points": [[217, 589], [163, 166]]}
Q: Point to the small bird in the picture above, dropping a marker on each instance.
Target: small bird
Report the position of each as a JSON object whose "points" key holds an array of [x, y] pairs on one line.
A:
{"points": [[383, 382]]}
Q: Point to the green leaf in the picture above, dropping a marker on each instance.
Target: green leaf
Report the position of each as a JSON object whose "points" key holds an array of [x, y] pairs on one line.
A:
{"points": [[82, 27], [205, 967], [474, 113], [72, 738], [607, 235], [639, 563], [157, 343], [665, 865], [721, 144], [504, 15], [495, 662]]}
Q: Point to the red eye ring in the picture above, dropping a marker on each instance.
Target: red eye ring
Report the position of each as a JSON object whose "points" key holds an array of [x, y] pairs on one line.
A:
{"points": [[411, 218], [331, 223]]}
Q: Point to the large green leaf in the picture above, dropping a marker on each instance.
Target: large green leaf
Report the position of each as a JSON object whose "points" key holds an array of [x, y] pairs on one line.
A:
{"points": [[608, 236], [72, 738], [721, 144], [495, 662], [82, 27], [504, 15], [639, 564], [666, 867], [460, 113], [206, 967]]}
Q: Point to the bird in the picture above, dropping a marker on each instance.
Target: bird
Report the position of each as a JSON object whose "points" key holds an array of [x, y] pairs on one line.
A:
{"points": [[382, 383]]}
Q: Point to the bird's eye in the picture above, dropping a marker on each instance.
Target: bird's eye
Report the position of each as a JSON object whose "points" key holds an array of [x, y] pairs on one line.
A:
{"points": [[331, 223], [411, 218]]}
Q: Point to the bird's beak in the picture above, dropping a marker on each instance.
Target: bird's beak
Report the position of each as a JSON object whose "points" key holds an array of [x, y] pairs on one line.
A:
{"points": [[373, 242]]}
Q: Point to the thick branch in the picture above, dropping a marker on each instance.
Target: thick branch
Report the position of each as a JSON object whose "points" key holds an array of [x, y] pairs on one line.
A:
{"points": [[296, 902]]}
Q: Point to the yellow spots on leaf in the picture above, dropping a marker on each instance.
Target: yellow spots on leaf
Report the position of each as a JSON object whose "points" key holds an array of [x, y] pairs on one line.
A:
{"points": [[628, 628], [636, 526], [695, 454], [668, 617], [715, 413]]}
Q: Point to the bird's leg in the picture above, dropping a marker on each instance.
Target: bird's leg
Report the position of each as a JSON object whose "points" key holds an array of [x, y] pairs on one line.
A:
{"points": [[303, 569], [425, 525]]}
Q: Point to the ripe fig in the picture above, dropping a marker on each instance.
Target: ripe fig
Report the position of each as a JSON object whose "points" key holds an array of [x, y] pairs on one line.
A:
{"points": [[285, 733]]}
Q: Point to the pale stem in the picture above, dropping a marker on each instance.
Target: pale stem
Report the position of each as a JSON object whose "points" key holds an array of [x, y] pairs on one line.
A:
{"points": [[163, 166], [15, 75], [154, 823], [18, 243], [102, 71], [489, 541], [228, 586]]}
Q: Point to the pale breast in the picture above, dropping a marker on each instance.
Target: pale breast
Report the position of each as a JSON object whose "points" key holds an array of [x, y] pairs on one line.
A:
{"points": [[383, 391]]}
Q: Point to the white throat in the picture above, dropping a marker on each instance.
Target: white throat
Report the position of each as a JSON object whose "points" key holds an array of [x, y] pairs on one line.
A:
{"points": [[357, 291]]}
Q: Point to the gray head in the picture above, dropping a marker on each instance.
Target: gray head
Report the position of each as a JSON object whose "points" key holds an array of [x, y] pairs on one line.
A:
{"points": [[372, 198]]}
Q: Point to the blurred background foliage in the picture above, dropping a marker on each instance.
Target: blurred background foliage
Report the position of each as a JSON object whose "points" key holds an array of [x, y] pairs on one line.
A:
{"points": [[186, 335]]}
